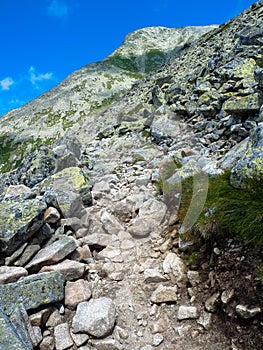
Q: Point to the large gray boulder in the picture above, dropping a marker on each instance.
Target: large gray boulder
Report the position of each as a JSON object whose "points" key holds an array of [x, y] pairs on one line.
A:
{"points": [[95, 317], [249, 168]]}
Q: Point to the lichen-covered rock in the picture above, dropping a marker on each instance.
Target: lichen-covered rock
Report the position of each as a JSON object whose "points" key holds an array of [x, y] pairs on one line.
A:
{"points": [[249, 168], [18, 222], [33, 291], [10, 339], [71, 178], [243, 105]]}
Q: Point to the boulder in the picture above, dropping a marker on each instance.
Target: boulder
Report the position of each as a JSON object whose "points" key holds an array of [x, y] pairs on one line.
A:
{"points": [[95, 317], [33, 291], [249, 168], [10, 338], [53, 253], [18, 222]]}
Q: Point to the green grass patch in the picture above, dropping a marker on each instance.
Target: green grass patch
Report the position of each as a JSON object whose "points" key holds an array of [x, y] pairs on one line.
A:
{"points": [[227, 211]]}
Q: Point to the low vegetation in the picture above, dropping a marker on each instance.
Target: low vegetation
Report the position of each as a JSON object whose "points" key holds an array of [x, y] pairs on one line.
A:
{"points": [[228, 211]]}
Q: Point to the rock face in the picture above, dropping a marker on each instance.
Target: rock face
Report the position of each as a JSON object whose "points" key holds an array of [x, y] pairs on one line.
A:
{"points": [[91, 253]]}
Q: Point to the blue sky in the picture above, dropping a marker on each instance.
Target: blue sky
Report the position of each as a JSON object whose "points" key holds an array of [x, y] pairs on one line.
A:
{"points": [[43, 41]]}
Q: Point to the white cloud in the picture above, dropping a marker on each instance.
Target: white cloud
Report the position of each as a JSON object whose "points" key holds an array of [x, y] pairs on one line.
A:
{"points": [[35, 77], [58, 8], [6, 83]]}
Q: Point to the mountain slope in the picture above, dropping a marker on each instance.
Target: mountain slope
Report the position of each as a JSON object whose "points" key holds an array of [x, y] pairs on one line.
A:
{"points": [[137, 212], [89, 89]]}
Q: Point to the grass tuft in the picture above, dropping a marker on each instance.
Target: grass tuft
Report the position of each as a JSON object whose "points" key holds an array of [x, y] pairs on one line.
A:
{"points": [[228, 211]]}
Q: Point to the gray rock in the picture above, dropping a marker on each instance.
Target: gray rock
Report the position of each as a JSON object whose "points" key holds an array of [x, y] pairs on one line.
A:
{"points": [[21, 321], [211, 303], [205, 320], [10, 339], [187, 312], [157, 339], [11, 274], [76, 292], [164, 294], [33, 291], [16, 191], [110, 224], [70, 269], [48, 343], [28, 217], [79, 338], [28, 253], [246, 312], [63, 339], [53, 253], [250, 167], [96, 317], [100, 189], [51, 215], [153, 275], [141, 227], [174, 266], [37, 335], [69, 203], [106, 344]]}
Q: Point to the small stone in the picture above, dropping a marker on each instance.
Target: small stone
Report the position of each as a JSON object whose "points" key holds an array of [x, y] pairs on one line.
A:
{"points": [[212, 302], [71, 223], [40, 317], [100, 189], [51, 215], [84, 253], [110, 224], [47, 343], [11, 274], [205, 320], [76, 292], [247, 313], [164, 294], [109, 253], [187, 312], [62, 336], [54, 319], [157, 339], [37, 334], [193, 277], [227, 295], [95, 317], [152, 275], [123, 334], [127, 244], [159, 326], [174, 265], [79, 338], [106, 344]]}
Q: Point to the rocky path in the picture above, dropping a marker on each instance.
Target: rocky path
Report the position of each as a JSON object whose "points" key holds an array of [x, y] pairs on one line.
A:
{"points": [[108, 275]]}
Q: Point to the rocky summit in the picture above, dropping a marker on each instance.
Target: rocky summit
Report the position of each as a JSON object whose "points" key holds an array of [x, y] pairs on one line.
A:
{"points": [[131, 198]]}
